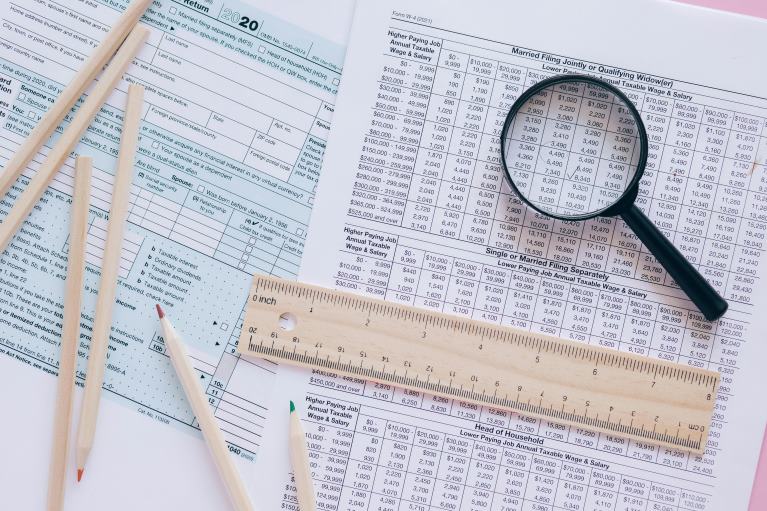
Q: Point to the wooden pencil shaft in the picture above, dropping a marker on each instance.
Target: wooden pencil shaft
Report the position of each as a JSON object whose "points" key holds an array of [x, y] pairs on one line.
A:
{"points": [[299, 459], [71, 136], [70, 332], [110, 267], [71, 93], [201, 409]]}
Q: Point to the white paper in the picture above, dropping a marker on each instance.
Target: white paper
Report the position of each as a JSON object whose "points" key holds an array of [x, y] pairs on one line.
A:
{"points": [[413, 207]]}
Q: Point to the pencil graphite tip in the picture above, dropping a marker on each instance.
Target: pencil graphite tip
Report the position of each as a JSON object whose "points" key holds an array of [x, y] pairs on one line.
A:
{"points": [[79, 474], [292, 407], [160, 312]]}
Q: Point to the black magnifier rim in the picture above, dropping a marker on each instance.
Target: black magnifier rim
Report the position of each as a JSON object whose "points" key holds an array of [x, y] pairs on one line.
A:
{"points": [[642, 131]]}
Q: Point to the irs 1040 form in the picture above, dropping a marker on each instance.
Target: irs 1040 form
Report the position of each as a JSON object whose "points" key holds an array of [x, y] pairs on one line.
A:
{"points": [[238, 108], [414, 209]]}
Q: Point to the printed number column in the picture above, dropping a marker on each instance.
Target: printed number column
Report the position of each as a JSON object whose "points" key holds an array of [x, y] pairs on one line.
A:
{"points": [[573, 487], [509, 84], [451, 476], [542, 487], [633, 494], [473, 116], [329, 449], [363, 463], [435, 277], [492, 294], [405, 275], [667, 208], [513, 479], [663, 498], [728, 201], [387, 157], [422, 470], [638, 325], [430, 139], [657, 111], [729, 342], [365, 261], [452, 188], [392, 466], [744, 154], [483, 475], [603, 491], [579, 314], [462, 290], [751, 237], [624, 245], [700, 192], [520, 302], [416, 72], [565, 241], [676, 163], [551, 306], [610, 317]]}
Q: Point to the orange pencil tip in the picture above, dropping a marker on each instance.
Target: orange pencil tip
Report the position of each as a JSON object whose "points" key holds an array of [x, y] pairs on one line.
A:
{"points": [[79, 474], [160, 311]]}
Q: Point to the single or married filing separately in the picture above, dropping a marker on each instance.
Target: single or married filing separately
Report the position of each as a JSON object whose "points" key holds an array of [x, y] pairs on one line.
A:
{"points": [[239, 100], [414, 208]]}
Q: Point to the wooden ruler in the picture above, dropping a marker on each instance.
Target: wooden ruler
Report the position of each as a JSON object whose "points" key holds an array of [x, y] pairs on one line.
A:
{"points": [[593, 388]]}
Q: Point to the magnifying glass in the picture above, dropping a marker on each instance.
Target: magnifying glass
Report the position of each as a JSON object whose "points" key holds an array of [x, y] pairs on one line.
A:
{"points": [[574, 147]]}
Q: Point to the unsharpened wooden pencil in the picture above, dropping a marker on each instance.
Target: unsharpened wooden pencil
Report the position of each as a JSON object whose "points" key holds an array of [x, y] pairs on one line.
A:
{"points": [[201, 409], [70, 332], [71, 93], [110, 268], [71, 136], [299, 458]]}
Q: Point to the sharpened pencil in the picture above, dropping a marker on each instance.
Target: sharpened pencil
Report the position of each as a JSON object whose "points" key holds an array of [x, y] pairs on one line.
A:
{"points": [[110, 269], [70, 333], [201, 409]]}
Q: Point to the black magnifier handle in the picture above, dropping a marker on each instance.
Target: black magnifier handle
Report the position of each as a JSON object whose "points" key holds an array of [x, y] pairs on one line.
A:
{"points": [[692, 283]]}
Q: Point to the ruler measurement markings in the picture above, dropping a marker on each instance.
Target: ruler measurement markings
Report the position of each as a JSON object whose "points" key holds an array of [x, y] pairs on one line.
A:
{"points": [[392, 328]]}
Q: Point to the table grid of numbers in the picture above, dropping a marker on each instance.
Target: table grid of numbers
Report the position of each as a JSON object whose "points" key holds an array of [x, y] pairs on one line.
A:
{"points": [[449, 235], [362, 460], [431, 163]]}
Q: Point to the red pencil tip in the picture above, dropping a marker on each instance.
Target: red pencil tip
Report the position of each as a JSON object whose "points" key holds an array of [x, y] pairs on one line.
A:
{"points": [[79, 474], [160, 311]]}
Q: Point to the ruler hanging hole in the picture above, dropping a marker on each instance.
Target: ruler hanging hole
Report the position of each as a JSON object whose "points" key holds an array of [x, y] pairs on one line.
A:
{"points": [[288, 321]]}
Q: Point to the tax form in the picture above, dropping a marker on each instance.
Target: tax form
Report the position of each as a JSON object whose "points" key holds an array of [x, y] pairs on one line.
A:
{"points": [[414, 208], [239, 98]]}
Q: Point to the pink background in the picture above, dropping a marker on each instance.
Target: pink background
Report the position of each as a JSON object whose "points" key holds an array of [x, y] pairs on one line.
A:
{"points": [[754, 8]]}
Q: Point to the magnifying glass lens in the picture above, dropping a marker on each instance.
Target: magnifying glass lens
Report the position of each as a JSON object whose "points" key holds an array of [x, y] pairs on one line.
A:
{"points": [[573, 149]]}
